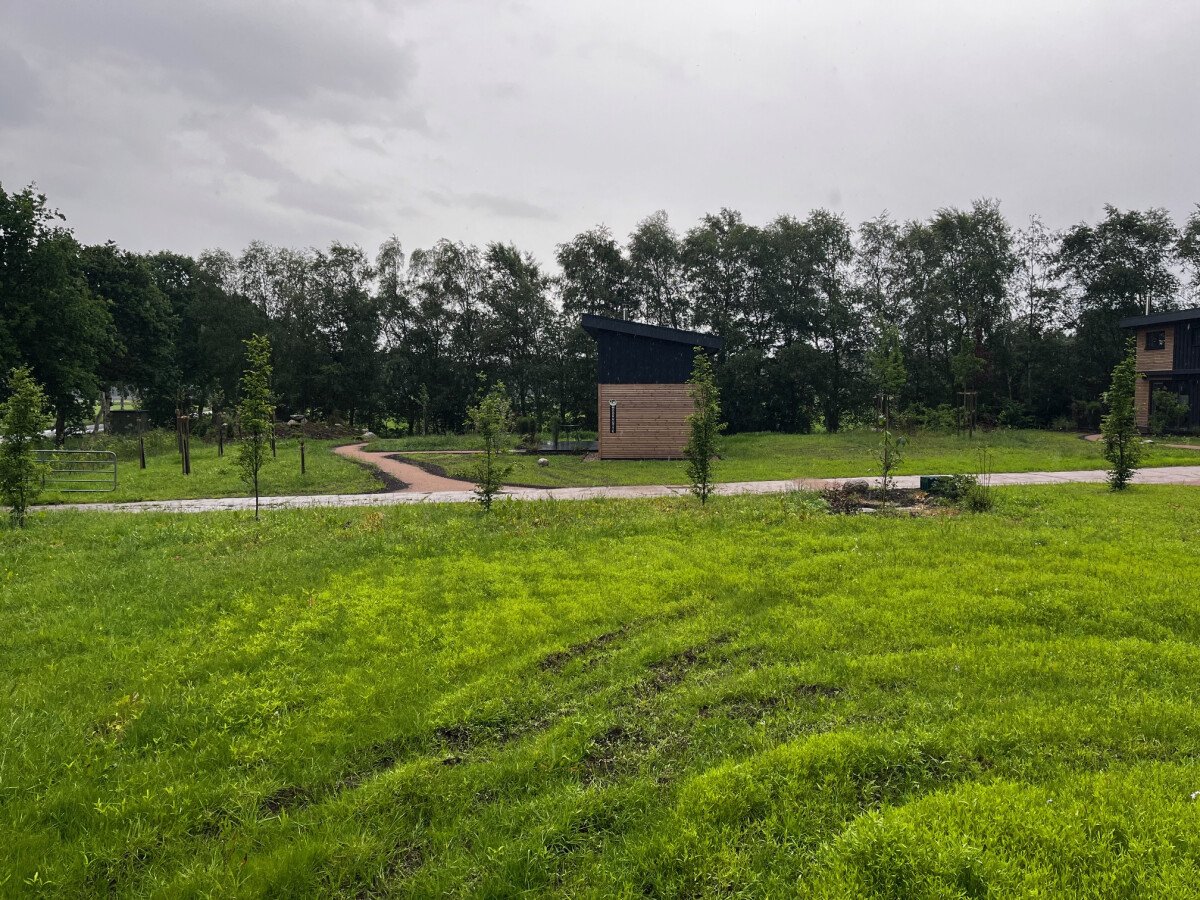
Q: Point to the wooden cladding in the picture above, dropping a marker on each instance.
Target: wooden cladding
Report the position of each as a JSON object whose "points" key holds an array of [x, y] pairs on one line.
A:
{"points": [[650, 420], [1162, 359], [1141, 402]]}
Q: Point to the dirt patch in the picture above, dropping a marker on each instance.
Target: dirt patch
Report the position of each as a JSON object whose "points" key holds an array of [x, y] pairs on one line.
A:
{"points": [[747, 709], [457, 737], [285, 798], [461, 738], [554, 662], [754, 709], [610, 753], [403, 862], [854, 497], [817, 690], [666, 673]]}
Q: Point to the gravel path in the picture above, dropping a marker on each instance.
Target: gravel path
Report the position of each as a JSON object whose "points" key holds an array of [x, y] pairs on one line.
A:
{"points": [[1187, 475], [417, 479]]}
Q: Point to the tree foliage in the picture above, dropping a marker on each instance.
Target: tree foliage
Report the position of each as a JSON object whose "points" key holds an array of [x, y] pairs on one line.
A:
{"points": [[256, 413], [491, 419], [1027, 319], [22, 419], [888, 375], [704, 426], [50, 321], [1122, 443]]}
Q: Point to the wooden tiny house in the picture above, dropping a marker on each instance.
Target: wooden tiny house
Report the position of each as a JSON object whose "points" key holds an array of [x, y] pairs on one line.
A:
{"points": [[642, 392], [1168, 358]]}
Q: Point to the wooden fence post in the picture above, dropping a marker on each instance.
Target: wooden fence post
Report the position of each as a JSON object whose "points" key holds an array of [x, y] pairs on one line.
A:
{"points": [[185, 433]]}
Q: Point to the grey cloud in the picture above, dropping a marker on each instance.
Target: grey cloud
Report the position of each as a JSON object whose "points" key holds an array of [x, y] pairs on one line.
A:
{"points": [[21, 92], [212, 122], [497, 204], [298, 58], [503, 90], [337, 202]]}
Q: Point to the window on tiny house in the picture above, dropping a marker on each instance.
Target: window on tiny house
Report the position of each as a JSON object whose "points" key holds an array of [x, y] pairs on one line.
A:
{"points": [[1156, 340]]}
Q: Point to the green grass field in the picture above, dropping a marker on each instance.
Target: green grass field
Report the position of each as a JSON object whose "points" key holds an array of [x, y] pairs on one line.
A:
{"points": [[596, 699], [214, 476], [431, 442], [768, 457]]}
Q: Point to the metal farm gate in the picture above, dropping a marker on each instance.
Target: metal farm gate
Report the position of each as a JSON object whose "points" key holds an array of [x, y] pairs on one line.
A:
{"points": [[78, 470]]}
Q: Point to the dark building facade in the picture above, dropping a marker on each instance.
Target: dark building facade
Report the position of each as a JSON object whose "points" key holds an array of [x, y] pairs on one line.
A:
{"points": [[642, 392], [1168, 359]]}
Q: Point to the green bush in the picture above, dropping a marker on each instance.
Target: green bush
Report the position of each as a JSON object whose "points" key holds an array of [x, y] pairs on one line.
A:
{"points": [[1086, 414], [966, 492], [158, 441], [977, 498], [1013, 414], [1168, 411], [953, 488], [939, 418], [1063, 423]]}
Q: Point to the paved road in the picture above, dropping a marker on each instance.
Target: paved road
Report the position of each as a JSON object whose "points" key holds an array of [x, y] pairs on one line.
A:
{"points": [[1189, 475]]}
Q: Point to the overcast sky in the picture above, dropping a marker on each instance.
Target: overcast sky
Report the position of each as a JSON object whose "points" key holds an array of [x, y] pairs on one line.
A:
{"points": [[213, 122]]}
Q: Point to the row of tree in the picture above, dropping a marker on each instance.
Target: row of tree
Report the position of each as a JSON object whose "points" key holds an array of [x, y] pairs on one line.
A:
{"points": [[1024, 319]]}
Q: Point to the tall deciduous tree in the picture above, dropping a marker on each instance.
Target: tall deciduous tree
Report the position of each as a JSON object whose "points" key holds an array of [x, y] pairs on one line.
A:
{"points": [[49, 320], [517, 330], [142, 356], [1115, 269], [1188, 250], [348, 331], [656, 273], [256, 413], [22, 418], [1033, 365], [595, 276]]}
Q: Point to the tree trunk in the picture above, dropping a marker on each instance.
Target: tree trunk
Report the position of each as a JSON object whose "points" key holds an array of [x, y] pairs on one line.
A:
{"points": [[106, 409], [60, 427]]}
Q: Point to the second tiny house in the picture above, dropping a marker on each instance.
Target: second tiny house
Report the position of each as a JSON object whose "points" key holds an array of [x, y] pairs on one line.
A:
{"points": [[1168, 359]]}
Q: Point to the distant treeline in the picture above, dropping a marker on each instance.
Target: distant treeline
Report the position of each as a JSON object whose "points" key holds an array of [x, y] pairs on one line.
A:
{"points": [[1026, 318]]}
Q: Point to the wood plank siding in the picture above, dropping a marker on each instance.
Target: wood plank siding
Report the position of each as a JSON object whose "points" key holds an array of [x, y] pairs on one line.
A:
{"points": [[1141, 402], [651, 420], [1156, 360], [1168, 359]]}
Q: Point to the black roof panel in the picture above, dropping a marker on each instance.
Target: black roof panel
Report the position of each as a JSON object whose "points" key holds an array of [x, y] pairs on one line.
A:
{"points": [[1162, 318], [592, 324]]}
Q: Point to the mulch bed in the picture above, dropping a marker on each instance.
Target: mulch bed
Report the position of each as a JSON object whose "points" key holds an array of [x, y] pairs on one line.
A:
{"points": [[856, 497]]}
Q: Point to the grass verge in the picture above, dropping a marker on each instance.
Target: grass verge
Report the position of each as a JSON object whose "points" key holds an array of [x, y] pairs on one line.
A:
{"points": [[214, 476], [433, 442], [769, 457]]}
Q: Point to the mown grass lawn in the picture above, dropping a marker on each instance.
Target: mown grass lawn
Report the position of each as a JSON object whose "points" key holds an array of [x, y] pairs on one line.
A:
{"points": [[214, 476], [606, 698], [432, 442], [769, 457]]}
